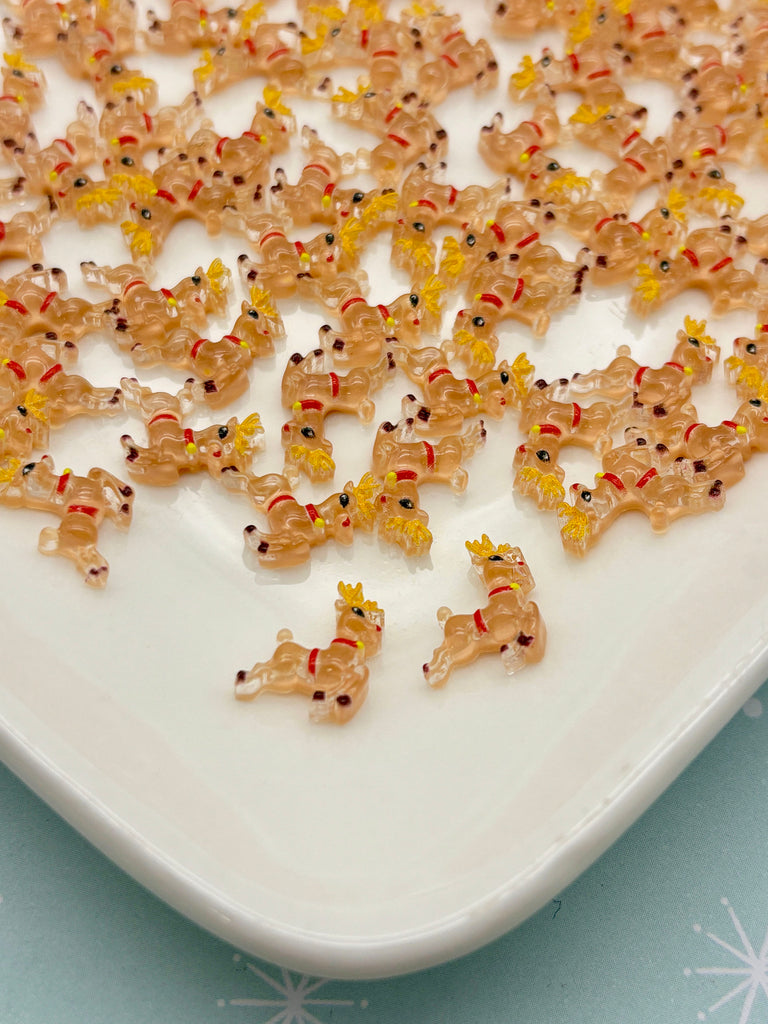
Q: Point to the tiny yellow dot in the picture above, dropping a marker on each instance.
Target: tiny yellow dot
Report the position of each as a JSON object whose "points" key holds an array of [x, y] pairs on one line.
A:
{"points": [[191, 448]]}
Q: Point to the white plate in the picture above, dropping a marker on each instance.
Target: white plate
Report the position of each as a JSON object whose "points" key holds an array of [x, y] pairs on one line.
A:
{"points": [[435, 821]]}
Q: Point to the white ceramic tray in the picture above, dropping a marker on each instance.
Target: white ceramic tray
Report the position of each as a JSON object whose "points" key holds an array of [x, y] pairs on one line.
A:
{"points": [[435, 821]]}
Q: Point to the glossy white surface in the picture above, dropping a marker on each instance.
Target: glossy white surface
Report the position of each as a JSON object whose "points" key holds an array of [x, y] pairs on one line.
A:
{"points": [[435, 820]]}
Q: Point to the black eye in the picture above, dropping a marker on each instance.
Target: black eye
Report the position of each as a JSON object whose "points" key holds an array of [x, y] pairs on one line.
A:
{"points": [[116, 69], [601, 17], [504, 377], [21, 409], [231, 12], [17, 74], [28, 468], [307, 432], [478, 321], [80, 182], [542, 455], [694, 342], [406, 503], [470, 240], [414, 300], [269, 112], [223, 432], [335, 31], [358, 611], [221, 51], [664, 212], [146, 214], [126, 161], [609, 117], [664, 266], [546, 61], [343, 497], [330, 238], [714, 174], [553, 166], [586, 495], [253, 313], [358, 197], [195, 279], [418, 226], [752, 348], [495, 558], [755, 401]]}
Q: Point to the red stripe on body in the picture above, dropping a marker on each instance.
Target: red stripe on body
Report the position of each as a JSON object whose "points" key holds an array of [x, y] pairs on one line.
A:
{"points": [[51, 373], [646, 477], [278, 499]]}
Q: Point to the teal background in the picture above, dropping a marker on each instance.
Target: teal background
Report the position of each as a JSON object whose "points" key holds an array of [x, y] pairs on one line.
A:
{"points": [[81, 943]]}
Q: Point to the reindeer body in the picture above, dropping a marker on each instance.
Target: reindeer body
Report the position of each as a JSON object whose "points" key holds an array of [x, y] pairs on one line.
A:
{"points": [[508, 624], [335, 677]]}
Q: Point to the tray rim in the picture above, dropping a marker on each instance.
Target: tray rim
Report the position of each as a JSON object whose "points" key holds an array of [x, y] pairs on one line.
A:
{"points": [[451, 937]]}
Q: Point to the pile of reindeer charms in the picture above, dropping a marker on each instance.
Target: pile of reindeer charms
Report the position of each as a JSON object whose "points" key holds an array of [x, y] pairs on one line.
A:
{"points": [[661, 220]]}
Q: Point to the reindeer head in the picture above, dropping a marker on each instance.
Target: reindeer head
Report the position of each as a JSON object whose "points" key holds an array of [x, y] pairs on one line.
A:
{"points": [[358, 619], [500, 565]]}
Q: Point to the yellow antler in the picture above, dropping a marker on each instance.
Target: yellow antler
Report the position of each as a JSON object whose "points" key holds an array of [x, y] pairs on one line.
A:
{"points": [[353, 595], [485, 547]]}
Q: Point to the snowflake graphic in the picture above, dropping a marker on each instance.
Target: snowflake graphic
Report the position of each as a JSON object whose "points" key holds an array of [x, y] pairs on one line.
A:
{"points": [[751, 974], [294, 994]]}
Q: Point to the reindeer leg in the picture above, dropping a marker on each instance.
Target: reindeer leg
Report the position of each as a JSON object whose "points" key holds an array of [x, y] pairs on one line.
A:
{"points": [[248, 685], [343, 703], [273, 549], [459, 480], [438, 668], [76, 540], [529, 643]]}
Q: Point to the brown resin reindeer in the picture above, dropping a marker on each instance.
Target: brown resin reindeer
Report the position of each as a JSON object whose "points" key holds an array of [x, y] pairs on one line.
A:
{"points": [[294, 529], [508, 624], [397, 448], [174, 449], [334, 677], [81, 502]]}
